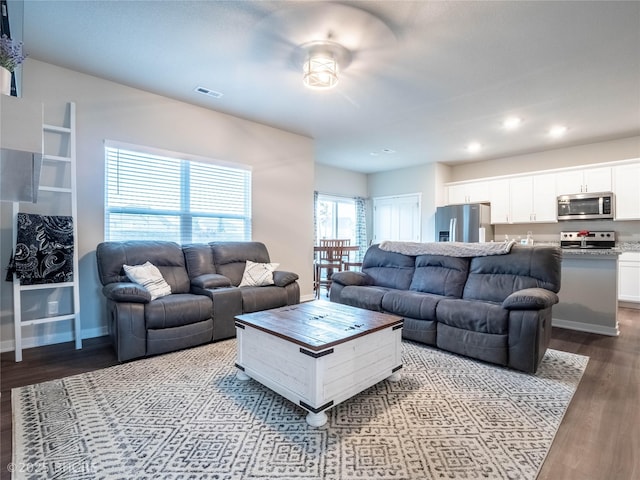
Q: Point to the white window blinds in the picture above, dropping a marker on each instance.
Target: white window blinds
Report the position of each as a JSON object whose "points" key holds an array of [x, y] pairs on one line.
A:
{"points": [[154, 197]]}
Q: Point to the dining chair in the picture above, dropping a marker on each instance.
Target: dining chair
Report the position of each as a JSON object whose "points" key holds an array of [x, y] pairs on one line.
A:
{"points": [[330, 259], [352, 262], [354, 259]]}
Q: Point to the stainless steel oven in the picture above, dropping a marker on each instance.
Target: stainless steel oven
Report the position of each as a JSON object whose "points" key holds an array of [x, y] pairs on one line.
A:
{"points": [[586, 206], [588, 239]]}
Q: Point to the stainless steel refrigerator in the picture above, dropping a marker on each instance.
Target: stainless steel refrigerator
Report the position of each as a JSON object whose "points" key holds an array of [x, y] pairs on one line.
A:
{"points": [[463, 223]]}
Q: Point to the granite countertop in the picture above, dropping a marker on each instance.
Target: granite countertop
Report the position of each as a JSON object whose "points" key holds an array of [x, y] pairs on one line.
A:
{"points": [[621, 247], [593, 252], [629, 246]]}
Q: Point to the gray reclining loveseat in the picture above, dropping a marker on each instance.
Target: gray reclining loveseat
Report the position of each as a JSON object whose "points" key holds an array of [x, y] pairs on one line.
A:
{"points": [[495, 308], [204, 297]]}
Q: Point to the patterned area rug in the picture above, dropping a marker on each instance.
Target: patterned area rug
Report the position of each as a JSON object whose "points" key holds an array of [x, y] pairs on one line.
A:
{"points": [[185, 416]]}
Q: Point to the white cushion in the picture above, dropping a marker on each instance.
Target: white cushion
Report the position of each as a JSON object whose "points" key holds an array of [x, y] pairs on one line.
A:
{"points": [[150, 278], [258, 274]]}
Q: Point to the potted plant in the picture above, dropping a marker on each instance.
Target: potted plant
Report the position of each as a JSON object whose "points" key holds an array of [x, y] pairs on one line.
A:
{"points": [[10, 57]]}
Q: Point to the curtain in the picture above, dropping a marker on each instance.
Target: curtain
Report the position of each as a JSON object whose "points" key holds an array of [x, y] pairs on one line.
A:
{"points": [[315, 217], [361, 226]]}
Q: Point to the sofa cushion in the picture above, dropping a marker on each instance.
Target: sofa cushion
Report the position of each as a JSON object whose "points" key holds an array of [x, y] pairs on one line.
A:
{"points": [[495, 277], [388, 269], [440, 275], [167, 256], [473, 315], [411, 304], [199, 259], [176, 310], [363, 297], [230, 258]]}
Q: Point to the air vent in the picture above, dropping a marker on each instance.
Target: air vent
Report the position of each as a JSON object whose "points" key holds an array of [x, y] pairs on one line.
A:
{"points": [[206, 91]]}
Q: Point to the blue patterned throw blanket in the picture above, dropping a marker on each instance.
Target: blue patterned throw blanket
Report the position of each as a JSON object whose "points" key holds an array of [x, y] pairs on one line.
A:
{"points": [[44, 249], [449, 249]]}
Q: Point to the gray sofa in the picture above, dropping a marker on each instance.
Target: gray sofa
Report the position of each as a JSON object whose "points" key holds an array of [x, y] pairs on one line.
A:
{"points": [[204, 298], [494, 308]]}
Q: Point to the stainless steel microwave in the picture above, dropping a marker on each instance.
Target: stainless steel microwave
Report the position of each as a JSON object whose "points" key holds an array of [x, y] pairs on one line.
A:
{"points": [[586, 206]]}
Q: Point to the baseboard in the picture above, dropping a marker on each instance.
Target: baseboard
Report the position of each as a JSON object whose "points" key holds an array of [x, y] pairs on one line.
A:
{"points": [[634, 305], [585, 327], [307, 298], [39, 341]]}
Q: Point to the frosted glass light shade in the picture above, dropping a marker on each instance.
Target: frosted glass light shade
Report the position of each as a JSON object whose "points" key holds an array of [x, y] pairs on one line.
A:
{"points": [[320, 72]]}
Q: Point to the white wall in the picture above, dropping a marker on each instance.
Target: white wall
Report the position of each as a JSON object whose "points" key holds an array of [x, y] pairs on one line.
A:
{"points": [[340, 182], [282, 162]]}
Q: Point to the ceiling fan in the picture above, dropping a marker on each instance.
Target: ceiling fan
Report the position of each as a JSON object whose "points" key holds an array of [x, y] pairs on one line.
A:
{"points": [[352, 40]]}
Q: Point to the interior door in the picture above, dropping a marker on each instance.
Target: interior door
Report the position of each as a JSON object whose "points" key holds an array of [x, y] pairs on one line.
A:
{"points": [[396, 218]]}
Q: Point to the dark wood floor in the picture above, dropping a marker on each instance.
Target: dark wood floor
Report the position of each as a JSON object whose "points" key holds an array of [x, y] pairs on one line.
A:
{"points": [[599, 438]]}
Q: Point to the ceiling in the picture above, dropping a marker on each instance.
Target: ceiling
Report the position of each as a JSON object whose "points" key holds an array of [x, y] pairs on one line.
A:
{"points": [[425, 77]]}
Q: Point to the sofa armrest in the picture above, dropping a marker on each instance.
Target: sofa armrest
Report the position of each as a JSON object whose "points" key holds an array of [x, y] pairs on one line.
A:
{"points": [[210, 280], [530, 299], [347, 278], [282, 278], [126, 292]]}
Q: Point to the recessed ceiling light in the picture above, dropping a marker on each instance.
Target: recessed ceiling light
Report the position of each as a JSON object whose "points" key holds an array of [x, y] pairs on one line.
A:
{"points": [[511, 123], [557, 131], [387, 151], [474, 147]]}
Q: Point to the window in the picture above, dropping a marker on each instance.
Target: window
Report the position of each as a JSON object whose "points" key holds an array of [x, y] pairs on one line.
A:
{"points": [[158, 197], [336, 218], [341, 217]]}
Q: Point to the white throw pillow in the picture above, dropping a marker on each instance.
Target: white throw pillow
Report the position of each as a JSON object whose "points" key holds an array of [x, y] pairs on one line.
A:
{"points": [[150, 278], [258, 274]]}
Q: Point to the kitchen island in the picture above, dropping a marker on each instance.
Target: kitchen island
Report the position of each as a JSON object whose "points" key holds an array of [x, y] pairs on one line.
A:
{"points": [[589, 291]]}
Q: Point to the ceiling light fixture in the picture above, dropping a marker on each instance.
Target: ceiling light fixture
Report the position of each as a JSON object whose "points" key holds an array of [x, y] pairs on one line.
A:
{"points": [[511, 123], [320, 72], [557, 131], [322, 61]]}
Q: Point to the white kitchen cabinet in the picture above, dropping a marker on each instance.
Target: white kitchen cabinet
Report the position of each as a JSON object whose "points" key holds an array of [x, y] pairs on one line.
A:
{"points": [[521, 199], [626, 187], [499, 197], [545, 204], [629, 277], [587, 180], [532, 199], [468, 192]]}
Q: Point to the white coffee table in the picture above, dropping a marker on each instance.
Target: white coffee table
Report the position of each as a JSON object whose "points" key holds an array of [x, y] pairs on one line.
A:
{"points": [[318, 354]]}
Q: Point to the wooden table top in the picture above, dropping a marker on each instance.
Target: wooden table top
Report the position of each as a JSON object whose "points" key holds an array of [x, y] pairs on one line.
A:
{"points": [[319, 324]]}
